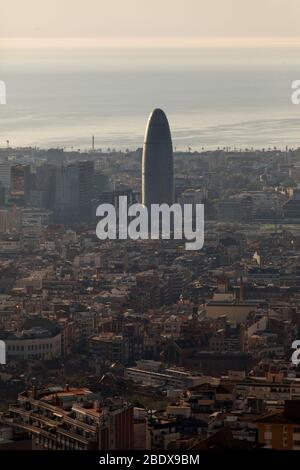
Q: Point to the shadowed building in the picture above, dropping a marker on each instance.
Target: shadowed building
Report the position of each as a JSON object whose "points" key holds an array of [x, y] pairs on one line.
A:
{"points": [[20, 182], [157, 167], [72, 419]]}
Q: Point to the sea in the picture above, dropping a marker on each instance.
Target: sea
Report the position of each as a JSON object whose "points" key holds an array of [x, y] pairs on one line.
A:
{"points": [[236, 97]]}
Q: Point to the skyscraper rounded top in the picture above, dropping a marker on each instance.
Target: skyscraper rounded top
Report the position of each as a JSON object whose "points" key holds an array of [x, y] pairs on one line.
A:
{"points": [[157, 164], [158, 129]]}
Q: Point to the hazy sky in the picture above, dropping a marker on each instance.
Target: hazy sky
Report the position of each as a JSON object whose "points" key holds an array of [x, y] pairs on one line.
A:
{"points": [[149, 18]]}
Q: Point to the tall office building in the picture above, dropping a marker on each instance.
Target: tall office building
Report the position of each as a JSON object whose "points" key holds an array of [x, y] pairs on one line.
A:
{"points": [[66, 201], [45, 184], [157, 166], [5, 177], [74, 187], [20, 182], [86, 176]]}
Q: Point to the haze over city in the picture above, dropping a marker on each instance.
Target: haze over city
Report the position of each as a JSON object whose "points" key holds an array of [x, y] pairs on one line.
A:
{"points": [[135, 18], [216, 67]]}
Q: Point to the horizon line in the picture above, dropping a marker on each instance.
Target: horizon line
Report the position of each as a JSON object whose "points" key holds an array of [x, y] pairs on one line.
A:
{"points": [[148, 42]]}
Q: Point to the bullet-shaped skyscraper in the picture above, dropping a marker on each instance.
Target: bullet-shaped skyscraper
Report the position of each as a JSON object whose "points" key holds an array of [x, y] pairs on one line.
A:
{"points": [[157, 166]]}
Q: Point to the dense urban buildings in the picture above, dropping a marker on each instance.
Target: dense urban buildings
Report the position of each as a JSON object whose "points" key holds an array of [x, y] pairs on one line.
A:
{"points": [[141, 344]]}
